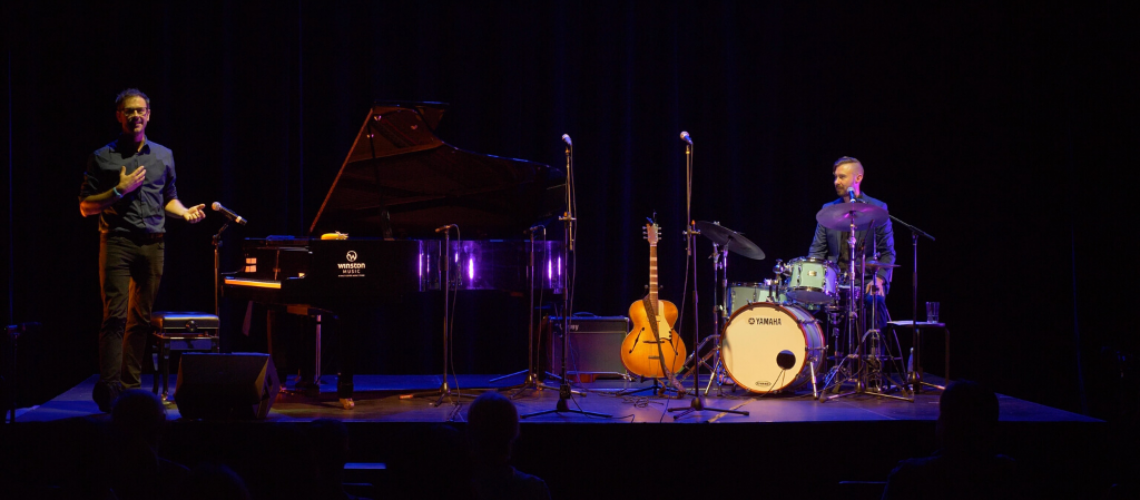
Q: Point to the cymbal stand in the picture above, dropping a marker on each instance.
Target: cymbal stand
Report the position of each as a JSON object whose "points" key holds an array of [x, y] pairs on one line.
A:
{"points": [[564, 390], [873, 377], [721, 313], [698, 402], [866, 365]]}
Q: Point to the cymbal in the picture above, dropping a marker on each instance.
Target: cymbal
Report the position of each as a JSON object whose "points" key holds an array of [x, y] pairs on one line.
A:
{"points": [[730, 240], [880, 265], [839, 215]]}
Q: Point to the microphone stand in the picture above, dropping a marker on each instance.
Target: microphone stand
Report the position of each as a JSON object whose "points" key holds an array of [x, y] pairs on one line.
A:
{"points": [[532, 380], [564, 390], [217, 240], [691, 232], [916, 372], [444, 389]]}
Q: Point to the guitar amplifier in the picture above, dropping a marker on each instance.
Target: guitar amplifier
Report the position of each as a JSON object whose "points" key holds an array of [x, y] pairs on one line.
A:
{"points": [[595, 345]]}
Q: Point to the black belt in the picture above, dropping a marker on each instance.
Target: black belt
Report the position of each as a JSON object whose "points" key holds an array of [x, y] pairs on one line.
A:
{"points": [[141, 238]]}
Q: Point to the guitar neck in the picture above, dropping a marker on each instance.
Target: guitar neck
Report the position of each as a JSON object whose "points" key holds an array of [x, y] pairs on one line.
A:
{"points": [[653, 277]]}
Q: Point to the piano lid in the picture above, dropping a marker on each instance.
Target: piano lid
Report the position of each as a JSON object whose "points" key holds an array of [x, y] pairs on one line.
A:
{"points": [[400, 179]]}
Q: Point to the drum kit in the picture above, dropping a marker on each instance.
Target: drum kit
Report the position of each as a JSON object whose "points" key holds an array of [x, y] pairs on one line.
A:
{"points": [[769, 339]]}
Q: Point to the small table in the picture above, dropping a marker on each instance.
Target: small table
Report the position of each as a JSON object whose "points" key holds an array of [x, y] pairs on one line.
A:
{"points": [[917, 371]]}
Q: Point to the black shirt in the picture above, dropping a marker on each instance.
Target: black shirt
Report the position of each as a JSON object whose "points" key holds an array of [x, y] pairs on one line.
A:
{"points": [[141, 211]]}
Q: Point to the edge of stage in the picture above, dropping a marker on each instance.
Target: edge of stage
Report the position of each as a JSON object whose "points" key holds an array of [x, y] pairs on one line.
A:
{"points": [[788, 443]]}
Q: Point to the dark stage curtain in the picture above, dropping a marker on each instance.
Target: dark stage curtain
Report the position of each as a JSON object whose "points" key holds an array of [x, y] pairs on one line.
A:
{"points": [[1005, 131]]}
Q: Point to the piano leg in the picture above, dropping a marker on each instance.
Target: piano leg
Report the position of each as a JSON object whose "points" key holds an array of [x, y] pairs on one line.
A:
{"points": [[317, 347], [346, 366], [310, 383]]}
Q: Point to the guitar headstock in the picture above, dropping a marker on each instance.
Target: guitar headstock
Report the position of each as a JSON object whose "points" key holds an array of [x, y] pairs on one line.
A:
{"points": [[651, 231]]}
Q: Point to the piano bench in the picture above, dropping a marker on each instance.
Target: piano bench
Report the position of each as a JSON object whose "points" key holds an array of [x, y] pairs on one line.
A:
{"points": [[181, 332]]}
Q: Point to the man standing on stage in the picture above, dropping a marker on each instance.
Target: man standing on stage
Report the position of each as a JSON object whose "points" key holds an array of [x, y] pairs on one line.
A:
{"points": [[129, 183], [832, 244]]}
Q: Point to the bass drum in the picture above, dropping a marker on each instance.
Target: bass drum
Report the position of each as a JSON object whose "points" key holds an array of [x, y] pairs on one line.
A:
{"points": [[768, 347]]}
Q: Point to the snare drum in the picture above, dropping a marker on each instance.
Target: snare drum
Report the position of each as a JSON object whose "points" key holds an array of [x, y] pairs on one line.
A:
{"points": [[742, 294], [769, 347], [812, 280]]}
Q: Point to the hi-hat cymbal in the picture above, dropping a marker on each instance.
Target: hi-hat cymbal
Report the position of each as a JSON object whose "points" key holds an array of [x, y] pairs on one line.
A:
{"points": [[730, 240], [839, 216], [880, 265]]}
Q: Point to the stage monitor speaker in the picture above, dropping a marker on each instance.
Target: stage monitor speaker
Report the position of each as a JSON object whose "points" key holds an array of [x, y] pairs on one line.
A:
{"points": [[226, 386], [595, 344]]}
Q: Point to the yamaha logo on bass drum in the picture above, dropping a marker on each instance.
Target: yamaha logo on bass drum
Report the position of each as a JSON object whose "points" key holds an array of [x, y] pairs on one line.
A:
{"points": [[764, 321]]}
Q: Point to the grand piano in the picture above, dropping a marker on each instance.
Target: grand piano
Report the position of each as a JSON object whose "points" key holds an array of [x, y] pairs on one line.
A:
{"points": [[398, 184]]}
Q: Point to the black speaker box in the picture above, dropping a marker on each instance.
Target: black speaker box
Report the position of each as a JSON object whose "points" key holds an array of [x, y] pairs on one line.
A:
{"points": [[226, 386], [595, 344]]}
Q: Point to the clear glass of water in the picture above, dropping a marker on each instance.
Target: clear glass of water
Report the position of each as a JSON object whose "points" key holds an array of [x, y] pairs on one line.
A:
{"points": [[932, 312]]}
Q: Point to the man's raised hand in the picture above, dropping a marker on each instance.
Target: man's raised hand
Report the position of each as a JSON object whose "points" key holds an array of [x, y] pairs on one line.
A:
{"points": [[132, 181], [195, 214]]}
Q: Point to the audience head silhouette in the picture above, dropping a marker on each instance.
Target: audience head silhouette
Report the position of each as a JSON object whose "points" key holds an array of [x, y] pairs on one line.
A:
{"points": [[492, 426], [140, 415], [967, 418]]}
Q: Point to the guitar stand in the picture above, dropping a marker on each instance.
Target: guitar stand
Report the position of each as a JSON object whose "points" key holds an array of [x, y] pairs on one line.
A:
{"points": [[657, 389]]}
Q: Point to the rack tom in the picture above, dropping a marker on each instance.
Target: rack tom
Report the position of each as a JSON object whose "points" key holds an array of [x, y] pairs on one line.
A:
{"points": [[812, 281], [742, 294]]}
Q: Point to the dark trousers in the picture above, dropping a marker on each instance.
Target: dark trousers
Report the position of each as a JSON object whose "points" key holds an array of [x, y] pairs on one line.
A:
{"points": [[130, 269]]}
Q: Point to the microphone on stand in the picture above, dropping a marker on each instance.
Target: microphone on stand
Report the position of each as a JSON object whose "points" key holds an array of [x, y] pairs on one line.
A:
{"points": [[566, 139], [441, 229], [685, 137], [851, 194], [228, 213]]}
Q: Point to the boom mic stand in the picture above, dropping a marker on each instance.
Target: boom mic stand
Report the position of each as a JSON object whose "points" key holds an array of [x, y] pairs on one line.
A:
{"points": [[691, 232], [564, 389], [916, 373]]}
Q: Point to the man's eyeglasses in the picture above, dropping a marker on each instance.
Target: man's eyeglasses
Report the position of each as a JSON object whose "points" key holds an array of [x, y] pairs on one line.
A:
{"points": [[134, 111]]}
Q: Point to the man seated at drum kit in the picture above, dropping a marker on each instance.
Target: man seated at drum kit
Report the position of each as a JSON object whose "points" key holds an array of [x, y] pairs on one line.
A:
{"points": [[771, 343], [831, 244]]}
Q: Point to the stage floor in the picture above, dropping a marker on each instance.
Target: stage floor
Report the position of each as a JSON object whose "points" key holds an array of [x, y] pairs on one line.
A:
{"points": [[389, 398], [791, 444]]}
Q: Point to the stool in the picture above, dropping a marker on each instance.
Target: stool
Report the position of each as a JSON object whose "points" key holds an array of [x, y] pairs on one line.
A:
{"points": [[182, 332], [917, 371]]}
